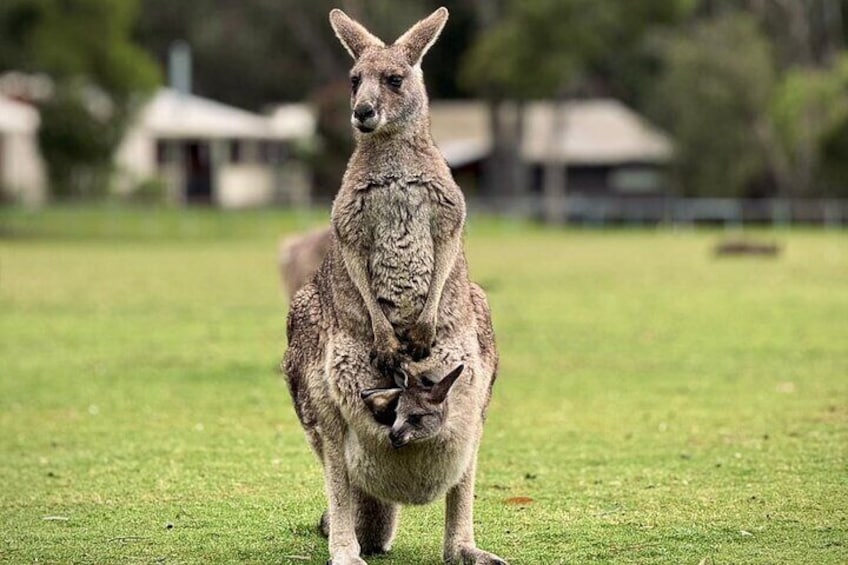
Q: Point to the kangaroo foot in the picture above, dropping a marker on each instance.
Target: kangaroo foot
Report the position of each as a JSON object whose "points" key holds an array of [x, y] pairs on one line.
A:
{"points": [[346, 560], [472, 556]]}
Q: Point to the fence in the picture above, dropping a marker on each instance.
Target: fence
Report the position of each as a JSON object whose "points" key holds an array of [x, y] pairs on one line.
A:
{"points": [[604, 210]]}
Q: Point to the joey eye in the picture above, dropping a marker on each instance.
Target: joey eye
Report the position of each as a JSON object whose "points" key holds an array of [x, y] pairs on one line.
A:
{"points": [[395, 81], [426, 382], [354, 82]]}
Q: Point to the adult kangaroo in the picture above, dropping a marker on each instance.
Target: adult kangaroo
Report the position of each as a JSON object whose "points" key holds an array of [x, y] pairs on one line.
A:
{"points": [[392, 304]]}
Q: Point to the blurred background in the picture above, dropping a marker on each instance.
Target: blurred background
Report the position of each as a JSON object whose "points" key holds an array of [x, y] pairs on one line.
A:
{"points": [[667, 393], [722, 111]]}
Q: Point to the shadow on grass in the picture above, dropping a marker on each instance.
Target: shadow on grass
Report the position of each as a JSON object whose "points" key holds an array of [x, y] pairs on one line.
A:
{"points": [[306, 535]]}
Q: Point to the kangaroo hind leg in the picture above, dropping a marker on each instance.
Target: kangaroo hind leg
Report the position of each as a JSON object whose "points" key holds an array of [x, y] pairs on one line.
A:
{"points": [[376, 522]]}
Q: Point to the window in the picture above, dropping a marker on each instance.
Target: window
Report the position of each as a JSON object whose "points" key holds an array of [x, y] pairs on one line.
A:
{"points": [[236, 151], [162, 152]]}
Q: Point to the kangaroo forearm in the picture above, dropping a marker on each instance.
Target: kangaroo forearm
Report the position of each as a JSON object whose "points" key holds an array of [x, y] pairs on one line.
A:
{"points": [[357, 269], [445, 253]]}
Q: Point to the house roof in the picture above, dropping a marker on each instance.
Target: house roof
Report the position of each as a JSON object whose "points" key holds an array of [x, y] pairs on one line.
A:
{"points": [[171, 114], [587, 132], [17, 117]]}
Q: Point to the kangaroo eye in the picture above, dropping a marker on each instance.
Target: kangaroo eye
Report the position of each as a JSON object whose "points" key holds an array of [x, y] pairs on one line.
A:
{"points": [[395, 81], [354, 82], [413, 420], [426, 382]]}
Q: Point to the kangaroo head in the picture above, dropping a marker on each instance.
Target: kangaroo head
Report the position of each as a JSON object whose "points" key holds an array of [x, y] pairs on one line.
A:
{"points": [[386, 84], [414, 412]]}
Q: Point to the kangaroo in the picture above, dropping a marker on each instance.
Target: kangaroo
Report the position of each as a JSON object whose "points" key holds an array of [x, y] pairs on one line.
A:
{"points": [[300, 256], [392, 296], [415, 411], [398, 216]]}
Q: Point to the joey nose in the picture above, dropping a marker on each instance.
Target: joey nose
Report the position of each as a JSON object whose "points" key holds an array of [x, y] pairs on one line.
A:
{"points": [[363, 111], [397, 438]]}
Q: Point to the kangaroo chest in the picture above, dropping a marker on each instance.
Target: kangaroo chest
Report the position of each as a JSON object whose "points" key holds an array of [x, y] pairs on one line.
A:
{"points": [[401, 249]]}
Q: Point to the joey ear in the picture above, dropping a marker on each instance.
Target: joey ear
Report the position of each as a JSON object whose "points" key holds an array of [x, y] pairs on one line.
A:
{"points": [[353, 35], [419, 38], [382, 403], [442, 388]]}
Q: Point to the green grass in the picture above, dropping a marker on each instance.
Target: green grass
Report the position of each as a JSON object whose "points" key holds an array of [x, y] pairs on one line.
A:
{"points": [[657, 405]]}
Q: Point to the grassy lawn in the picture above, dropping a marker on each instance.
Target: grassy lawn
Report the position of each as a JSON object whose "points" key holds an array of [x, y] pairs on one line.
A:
{"points": [[655, 404]]}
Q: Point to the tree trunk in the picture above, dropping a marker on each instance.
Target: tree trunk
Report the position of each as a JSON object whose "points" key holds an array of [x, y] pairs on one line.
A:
{"points": [[495, 177], [555, 177]]}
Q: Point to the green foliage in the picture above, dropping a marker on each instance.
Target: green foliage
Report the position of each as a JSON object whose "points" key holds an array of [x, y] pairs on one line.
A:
{"points": [[657, 405], [835, 156], [98, 73], [252, 53], [713, 97], [747, 96], [77, 146], [91, 38], [542, 47], [810, 106]]}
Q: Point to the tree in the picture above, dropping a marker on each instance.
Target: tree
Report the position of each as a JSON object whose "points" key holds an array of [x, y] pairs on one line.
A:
{"points": [[809, 107], [553, 49], [713, 97], [98, 74]]}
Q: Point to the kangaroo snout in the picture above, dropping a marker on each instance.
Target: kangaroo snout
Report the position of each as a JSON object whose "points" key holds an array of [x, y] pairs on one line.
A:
{"points": [[363, 111], [365, 117]]}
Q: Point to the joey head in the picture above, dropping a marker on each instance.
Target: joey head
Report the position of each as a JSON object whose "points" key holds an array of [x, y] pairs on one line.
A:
{"points": [[415, 411]]}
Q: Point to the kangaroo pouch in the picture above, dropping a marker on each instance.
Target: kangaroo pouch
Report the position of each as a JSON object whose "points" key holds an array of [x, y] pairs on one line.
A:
{"points": [[414, 474]]}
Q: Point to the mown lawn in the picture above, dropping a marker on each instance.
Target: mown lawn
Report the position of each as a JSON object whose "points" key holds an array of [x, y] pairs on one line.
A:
{"points": [[655, 404]]}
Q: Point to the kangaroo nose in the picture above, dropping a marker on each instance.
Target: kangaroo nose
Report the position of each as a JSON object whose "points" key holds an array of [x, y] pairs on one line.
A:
{"points": [[363, 111]]}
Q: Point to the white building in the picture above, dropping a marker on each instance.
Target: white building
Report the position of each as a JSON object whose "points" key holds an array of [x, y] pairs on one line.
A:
{"points": [[208, 152], [23, 176], [606, 147]]}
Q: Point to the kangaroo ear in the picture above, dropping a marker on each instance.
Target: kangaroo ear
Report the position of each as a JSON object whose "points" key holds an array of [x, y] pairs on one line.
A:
{"points": [[442, 388], [382, 402], [352, 34], [420, 37]]}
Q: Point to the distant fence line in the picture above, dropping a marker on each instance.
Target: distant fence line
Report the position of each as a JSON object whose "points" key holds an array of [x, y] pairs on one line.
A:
{"points": [[603, 210]]}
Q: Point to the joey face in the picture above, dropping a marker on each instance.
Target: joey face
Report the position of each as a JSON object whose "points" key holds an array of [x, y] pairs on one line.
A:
{"points": [[415, 413], [386, 85]]}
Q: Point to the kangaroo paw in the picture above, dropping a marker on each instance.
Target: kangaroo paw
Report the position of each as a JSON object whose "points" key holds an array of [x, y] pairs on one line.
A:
{"points": [[386, 360], [418, 340]]}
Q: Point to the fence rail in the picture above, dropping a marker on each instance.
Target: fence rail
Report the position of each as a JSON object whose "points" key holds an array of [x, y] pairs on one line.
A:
{"points": [[682, 211]]}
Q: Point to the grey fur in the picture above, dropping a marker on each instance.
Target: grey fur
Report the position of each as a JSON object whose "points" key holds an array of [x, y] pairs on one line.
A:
{"points": [[300, 256], [392, 293]]}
